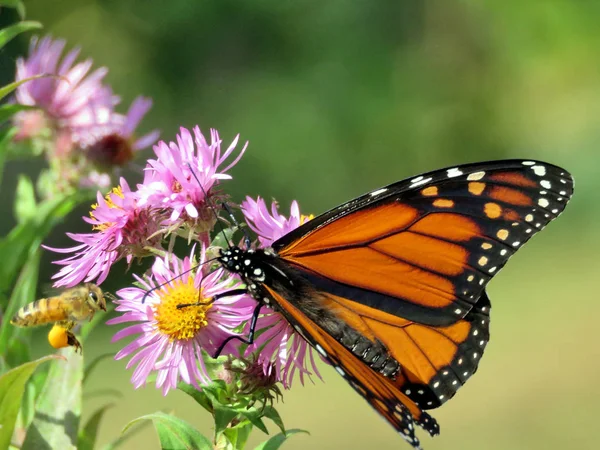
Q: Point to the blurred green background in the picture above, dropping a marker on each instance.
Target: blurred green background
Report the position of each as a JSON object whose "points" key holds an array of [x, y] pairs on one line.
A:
{"points": [[340, 97]]}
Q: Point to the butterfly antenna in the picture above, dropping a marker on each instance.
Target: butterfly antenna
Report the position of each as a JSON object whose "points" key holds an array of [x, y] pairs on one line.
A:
{"points": [[158, 286], [212, 208], [247, 239]]}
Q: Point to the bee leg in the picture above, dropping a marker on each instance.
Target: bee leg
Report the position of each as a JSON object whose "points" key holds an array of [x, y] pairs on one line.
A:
{"points": [[73, 342]]}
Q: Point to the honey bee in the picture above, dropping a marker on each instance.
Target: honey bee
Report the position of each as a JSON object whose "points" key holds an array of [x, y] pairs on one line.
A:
{"points": [[65, 310]]}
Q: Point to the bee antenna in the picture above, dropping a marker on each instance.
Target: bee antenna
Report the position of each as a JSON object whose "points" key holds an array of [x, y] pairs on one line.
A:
{"points": [[212, 208]]}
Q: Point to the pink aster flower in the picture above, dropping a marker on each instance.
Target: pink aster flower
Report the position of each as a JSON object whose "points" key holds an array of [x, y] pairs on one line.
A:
{"points": [[271, 226], [121, 229], [69, 91], [169, 182], [281, 348], [169, 341], [113, 143]]}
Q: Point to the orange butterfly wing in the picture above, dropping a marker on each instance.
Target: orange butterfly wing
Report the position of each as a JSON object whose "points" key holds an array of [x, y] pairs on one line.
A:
{"points": [[381, 392], [390, 287], [424, 249]]}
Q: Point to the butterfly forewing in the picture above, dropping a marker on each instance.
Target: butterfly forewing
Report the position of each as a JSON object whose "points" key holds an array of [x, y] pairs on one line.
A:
{"points": [[425, 248]]}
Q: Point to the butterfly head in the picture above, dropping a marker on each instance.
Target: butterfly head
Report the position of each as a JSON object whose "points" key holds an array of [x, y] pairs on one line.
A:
{"points": [[245, 263]]}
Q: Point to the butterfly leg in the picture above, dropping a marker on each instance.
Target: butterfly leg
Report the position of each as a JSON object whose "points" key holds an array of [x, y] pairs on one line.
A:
{"points": [[250, 339]]}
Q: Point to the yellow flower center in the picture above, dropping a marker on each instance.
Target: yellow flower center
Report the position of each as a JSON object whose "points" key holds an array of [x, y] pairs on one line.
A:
{"points": [[116, 191], [181, 324]]}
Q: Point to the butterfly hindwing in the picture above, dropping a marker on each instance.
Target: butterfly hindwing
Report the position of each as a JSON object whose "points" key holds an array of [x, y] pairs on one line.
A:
{"points": [[424, 249], [434, 362], [451, 356], [381, 392]]}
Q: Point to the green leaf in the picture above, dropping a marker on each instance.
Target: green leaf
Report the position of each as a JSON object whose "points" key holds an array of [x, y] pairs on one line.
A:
{"points": [[17, 4], [9, 33], [277, 441], [174, 433], [12, 388], [217, 391], [88, 434], [223, 238], [238, 435], [200, 396], [5, 90], [272, 414], [9, 110], [23, 293], [25, 239], [27, 405], [58, 408], [6, 136], [91, 366], [18, 351], [255, 417], [131, 431], [223, 416], [25, 204]]}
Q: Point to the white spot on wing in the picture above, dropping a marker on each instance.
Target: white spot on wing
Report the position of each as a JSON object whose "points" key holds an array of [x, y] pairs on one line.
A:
{"points": [[546, 184], [539, 170], [340, 371], [543, 202], [321, 350], [476, 176], [377, 192], [454, 172], [528, 163], [421, 182]]}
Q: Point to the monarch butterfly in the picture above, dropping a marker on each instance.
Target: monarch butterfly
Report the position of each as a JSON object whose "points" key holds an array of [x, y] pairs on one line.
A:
{"points": [[390, 287]]}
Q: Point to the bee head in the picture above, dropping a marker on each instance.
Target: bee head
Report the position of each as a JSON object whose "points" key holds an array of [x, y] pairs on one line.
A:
{"points": [[96, 297]]}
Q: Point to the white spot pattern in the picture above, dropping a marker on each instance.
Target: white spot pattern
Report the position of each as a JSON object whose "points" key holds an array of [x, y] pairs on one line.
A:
{"points": [[454, 172], [475, 176]]}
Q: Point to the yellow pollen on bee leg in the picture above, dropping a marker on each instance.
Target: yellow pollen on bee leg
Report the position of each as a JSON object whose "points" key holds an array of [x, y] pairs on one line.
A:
{"points": [[181, 324], [58, 337]]}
